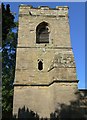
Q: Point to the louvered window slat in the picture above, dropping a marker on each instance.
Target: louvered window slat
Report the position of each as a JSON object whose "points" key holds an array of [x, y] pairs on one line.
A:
{"points": [[42, 33]]}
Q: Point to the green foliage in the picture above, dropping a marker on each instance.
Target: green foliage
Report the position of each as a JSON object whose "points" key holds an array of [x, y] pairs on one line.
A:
{"points": [[9, 42], [7, 21]]}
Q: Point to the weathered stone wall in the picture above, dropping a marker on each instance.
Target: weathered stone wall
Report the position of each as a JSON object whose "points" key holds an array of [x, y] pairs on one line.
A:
{"points": [[44, 99], [42, 90], [56, 63]]}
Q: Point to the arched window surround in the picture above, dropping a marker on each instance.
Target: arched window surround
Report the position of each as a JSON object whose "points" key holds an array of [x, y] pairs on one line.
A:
{"points": [[43, 33]]}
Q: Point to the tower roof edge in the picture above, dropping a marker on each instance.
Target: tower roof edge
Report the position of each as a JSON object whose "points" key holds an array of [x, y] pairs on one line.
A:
{"points": [[44, 7]]}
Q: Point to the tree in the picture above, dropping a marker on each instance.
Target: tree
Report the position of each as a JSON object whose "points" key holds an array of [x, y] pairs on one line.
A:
{"points": [[9, 41]]}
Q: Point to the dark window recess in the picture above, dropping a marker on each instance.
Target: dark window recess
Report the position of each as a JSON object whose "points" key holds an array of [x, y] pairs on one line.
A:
{"points": [[42, 33], [40, 65]]}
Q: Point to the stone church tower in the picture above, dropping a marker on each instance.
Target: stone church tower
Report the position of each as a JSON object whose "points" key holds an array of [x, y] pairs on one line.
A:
{"points": [[45, 73]]}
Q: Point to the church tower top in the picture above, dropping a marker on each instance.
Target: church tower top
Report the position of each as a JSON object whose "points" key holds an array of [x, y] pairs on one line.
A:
{"points": [[57, 11]]}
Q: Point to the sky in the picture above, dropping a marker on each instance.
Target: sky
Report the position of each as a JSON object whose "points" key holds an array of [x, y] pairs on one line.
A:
{"points": [[77, 31]]}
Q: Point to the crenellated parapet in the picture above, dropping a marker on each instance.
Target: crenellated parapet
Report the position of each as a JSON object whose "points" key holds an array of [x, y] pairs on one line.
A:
{"points": [[59, 11]]}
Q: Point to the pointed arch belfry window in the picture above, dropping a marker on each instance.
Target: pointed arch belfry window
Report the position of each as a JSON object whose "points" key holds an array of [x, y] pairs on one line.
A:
{"points": [[42, 33]]}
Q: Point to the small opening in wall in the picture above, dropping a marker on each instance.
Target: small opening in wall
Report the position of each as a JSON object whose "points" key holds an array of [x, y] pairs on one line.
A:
{"points": [[40, 65]]}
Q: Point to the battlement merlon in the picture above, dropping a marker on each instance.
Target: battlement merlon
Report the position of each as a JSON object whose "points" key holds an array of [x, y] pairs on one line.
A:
{"points": [[28, 10]]}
